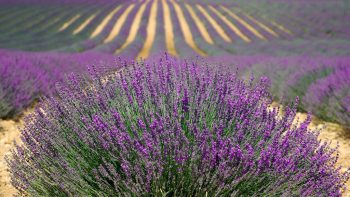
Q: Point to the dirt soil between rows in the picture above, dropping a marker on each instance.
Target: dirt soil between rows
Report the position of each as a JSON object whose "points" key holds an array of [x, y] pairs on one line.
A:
{"points": [[10, 132]]}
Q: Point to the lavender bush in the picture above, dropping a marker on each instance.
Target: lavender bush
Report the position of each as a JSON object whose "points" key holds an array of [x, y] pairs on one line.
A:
{"points": [[169, 128]]}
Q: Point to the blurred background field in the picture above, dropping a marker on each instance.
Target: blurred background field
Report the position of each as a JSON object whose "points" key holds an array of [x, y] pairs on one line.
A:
{"points": [[269, 27], [303, 46]]}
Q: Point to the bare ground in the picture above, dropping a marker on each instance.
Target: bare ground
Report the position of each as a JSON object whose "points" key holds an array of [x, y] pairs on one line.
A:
{"points": [[9, 132]]}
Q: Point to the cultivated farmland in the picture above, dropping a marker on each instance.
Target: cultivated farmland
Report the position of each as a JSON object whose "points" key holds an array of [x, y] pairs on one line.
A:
{"points": [[147, 27], [174, 98]]}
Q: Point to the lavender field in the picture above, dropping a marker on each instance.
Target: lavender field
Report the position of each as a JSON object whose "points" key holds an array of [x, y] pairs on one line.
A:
{"points": [[174, 98]]}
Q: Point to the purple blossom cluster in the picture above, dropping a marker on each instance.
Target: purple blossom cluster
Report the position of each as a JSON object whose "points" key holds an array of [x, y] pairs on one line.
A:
{"points": [[24, 77], [169, 127]]}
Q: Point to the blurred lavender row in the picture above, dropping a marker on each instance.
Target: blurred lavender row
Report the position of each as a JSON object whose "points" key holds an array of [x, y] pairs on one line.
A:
{"points": [[25, 77], [322, 83]]}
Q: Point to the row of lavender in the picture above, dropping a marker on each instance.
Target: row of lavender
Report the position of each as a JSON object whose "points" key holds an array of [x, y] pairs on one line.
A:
{"points": [[322, 83], [27, 76], [307, 19], [36, 27]]}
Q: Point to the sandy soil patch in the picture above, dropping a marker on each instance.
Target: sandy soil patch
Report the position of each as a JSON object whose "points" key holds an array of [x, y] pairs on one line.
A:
{"points": [[9, 132]]}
